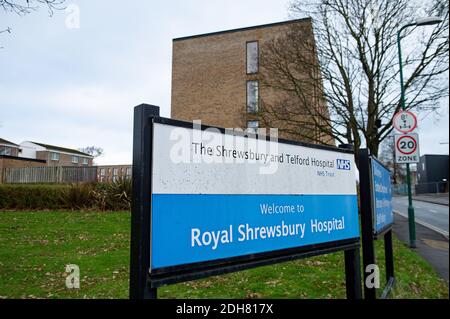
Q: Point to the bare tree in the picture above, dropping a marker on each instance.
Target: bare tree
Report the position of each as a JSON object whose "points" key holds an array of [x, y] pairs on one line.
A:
{"points": [[24, 7], [387, 157], [351, 90], [292, 71], [94, 151]]}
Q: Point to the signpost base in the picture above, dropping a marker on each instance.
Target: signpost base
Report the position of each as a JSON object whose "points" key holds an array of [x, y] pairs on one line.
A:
{"points": [[353, 274], [140, 211], [412, 227]]}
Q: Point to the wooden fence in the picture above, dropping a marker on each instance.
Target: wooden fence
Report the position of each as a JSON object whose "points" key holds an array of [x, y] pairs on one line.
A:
{"points": [[49, 175]]}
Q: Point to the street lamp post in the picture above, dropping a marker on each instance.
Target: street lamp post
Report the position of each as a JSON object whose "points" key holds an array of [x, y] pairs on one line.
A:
{"points": [[420, 22]]}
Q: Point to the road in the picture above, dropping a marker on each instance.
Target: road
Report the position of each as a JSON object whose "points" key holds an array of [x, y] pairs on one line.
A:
{"points": [[433, 214]]}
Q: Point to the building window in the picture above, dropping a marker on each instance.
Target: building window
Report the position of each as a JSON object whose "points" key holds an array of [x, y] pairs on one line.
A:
{"points": [[252, 96], [75, 159], [85, 161], [252, 57], [423, 167], [115, 174], [5, 151], [252, 126], [128, 172], [54, 156], [102, 175]]}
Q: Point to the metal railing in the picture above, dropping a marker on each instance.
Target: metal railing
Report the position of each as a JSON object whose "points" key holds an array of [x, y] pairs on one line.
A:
{"points": [[400, 189], [421, 188], [431, 188]]}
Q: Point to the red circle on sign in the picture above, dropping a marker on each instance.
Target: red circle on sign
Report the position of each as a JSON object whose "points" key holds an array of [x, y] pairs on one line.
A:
{"points": [[408, 137], [409, 113]]}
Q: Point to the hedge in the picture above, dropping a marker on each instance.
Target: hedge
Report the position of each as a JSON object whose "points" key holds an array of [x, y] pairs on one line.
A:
{"points": [[114, 196]]}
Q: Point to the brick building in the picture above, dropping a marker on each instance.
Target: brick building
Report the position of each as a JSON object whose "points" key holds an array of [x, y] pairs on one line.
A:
{"points": [[111, 173], [55, 155], [216, 77], [432, 174]]}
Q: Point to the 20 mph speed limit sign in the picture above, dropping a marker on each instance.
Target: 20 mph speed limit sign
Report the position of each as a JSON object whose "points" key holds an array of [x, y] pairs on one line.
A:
{"points": [[406, 148]]}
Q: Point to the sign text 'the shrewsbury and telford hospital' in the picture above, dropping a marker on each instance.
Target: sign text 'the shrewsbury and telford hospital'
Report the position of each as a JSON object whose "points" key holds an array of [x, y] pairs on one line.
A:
{"points": [[212, 200]]}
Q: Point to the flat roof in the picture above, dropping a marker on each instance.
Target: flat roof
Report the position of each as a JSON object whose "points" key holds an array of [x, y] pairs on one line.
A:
{"points": [[243, 29]]}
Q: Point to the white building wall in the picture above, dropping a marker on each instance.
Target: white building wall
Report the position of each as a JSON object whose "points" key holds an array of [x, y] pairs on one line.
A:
{"points": [[29, 149]]}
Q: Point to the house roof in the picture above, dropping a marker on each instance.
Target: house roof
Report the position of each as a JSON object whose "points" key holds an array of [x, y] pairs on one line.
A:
{"points": [[62, 149], [3, 141]]}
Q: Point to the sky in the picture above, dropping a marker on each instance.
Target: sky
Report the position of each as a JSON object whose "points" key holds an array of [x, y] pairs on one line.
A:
{"points": [[76, 85]]}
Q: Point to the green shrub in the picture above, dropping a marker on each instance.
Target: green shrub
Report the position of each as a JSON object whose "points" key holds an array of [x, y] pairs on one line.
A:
{"points": [[78, 196], [32, 196], [121, 191], [114, 196]]}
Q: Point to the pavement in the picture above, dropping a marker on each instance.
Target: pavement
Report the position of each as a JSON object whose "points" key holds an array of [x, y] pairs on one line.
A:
{"points": [[434, 216], [431, 245], [440, 198]]}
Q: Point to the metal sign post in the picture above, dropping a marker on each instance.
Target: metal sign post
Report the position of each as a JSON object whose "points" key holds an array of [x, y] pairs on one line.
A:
{"points": [[184, 220], [376, 218], [407, 152], [141, 202]]}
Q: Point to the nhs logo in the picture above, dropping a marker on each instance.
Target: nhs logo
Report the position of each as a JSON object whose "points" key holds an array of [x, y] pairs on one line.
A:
{"points": [[343, 164]]}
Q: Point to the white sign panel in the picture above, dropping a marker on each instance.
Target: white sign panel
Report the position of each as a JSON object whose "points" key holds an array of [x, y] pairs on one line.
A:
{"points": [[199, 162], [407, 148], [218, 195], [405, 121]]}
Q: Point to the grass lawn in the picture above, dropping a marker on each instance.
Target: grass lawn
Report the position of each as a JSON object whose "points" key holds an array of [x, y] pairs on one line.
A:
{"points": [[36, 246]]}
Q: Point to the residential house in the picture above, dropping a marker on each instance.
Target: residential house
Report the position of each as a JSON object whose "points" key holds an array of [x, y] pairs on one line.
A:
{"points": [[9, 158], [9, 148], [55, 155]]}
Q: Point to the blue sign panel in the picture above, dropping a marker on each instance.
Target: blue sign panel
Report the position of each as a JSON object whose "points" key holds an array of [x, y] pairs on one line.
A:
{"points": [[382, 196], [196, 228]]}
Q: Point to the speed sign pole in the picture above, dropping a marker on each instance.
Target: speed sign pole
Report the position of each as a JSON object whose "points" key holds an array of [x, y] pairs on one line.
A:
{"points": [[411, 218], [412, 157], [407, 139], [405, 157]]}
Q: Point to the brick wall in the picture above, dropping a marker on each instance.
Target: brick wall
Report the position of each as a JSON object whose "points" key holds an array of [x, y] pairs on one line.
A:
{"points": [[209, 75]]}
